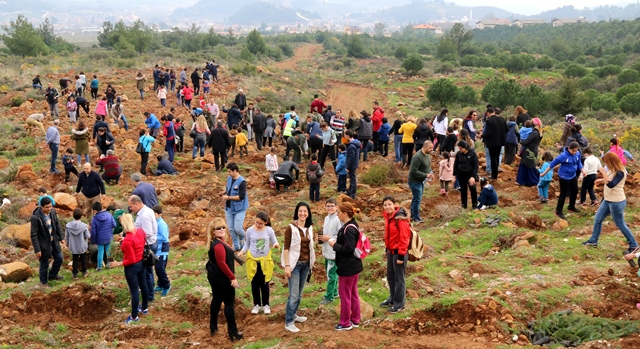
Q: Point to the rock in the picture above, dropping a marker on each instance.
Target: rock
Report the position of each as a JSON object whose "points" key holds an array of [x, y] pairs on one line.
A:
{"points": [[196, 214], [124, 98], [467, 327], [526, 236], [26, 211], [209, 158], [521, 243], [61, 188], [413, 294], [492, 305], [129, 145], [206, 166], [164, 195], [201, 204], [366, 310], [4, 163], [21, 233], [560, 224], [15, 272], [420, 88], [457, 277], [25, 173], [65, 201]]}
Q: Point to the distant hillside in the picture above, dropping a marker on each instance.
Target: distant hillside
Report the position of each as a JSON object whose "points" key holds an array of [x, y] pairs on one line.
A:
{"points": [[263, 12], [600, 13], [423, 11]]}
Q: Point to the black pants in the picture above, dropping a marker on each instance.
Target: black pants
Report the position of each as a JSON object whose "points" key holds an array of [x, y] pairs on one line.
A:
{"points": [[384, 147], [94, 93], [570, 188], [79, 260], [196, 88], [264, 141], [315, 146], [259, 139], [463, 179], [84, 106], [353, 185], [282, 180], [440, 140], [328, 150], [376, 142], [407, 153], [494, 152], [220, 156], [144, 161], [509, 153], [259, 287], [395, 277], [288, 151], [587, 186], [180, 144], [222, 292], [68, 172]]}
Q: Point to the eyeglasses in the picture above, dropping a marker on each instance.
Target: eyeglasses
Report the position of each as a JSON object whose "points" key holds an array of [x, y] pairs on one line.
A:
{"points": [[331, 206], [219, 228]]}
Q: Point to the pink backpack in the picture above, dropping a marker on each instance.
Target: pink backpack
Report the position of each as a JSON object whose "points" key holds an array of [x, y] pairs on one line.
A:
{"points": [[363, 245]]}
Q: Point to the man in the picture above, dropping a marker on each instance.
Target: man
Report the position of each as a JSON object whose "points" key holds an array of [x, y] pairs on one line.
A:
{"points": [[165, 166], [53, 141], [419, 172], [183, 76], [145, 191], [236, 205], [82, 103], [156, 78], [146, 220], [328, 115], [112, 169], [195, 80], [35, 120], [247, 120], [100, 123], [353, 156], [284, 175], [259, 125], [152, 123], [213, 69], [52, 95], [337, 123], [46, 237], [219, 142], [241, 101], [317, 105], [376, 119], [494, 136], [92, 187]]}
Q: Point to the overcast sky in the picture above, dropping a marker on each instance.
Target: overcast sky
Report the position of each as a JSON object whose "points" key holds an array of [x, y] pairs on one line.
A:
{"points": [[535, 7]]}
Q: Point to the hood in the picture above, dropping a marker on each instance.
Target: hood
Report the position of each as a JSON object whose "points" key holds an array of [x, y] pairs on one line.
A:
{"points": [[379, 109], [489, 187], [233, 132], [366, 118], [76, 132], [314, 167], [511, 123], [423, 127], [399, 213], [102, 217], [356, 143], [76, 228]]}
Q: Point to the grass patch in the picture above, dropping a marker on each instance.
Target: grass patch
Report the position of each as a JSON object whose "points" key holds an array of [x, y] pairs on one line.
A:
{"points": [[269, 343], [381, 174]]}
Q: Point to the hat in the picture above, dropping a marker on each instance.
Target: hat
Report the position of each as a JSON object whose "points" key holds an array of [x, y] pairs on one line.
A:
{"points": [[570, 118]]}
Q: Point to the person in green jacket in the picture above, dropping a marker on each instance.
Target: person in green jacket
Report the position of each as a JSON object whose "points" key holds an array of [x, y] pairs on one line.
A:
{"points": [[419, 172]]}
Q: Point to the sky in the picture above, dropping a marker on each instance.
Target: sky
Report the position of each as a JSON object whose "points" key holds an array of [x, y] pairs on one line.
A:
{"points": [[535, 7]]}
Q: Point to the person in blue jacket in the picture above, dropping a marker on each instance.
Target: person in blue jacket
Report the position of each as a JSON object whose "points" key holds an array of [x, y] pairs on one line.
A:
{"points": [[152, 123], [164, 285], [570, 164], [341, 168], [352, 161], [102, 226], [234, 116], [146, 142], [236, 204], [488, 195], [383, 137]]}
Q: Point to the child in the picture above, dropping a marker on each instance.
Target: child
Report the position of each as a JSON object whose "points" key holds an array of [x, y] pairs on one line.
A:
{"points": [[450, 140], [525, 131], [241, 142], [72, 107], [591, 167], [164, 285], [570, 164], [232, 138], [69, 168], [102, 226], [488, 196], [330, 231], [179, 128], [205, 87], [617, 149], [271, 162], [545, 181], [162, 95], [43, 194], [446, 172], [383, 137], [341, 168], [76, 239], [314, 176]]}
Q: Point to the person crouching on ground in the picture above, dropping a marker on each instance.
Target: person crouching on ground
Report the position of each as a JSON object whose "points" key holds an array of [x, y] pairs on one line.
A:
{"points": [[488, 196]]}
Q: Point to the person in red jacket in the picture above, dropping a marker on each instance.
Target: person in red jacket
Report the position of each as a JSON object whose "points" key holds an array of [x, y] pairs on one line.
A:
{"points": [[132, 246], [317, 104], [112, 168], [397, 234], [376, 119]]}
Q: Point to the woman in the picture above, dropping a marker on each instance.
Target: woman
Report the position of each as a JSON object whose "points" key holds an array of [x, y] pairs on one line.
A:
{"points": [[202, 130], [132, 245], [422, 134], [465, 171], [117, 113], [349, 268], [407, 130], [101, 108], [169, 133], [614, 201], [397, 137], [463, 135], [188, 96], [110, 94], [81, 136], [259, 241], [365, 133], [521, 116], [36, 83], [270, 131], [528, 174], [397, 236], [221, 276], [172, 80], [469, 124], [297, 259], [353, 122], [146, 141], [141, 83], [440, 124], [236, 205]]}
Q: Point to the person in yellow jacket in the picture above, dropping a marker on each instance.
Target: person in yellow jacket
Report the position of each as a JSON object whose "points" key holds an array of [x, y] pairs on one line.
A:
{"points": [[259, 241], [407, 130], [241, 141]]}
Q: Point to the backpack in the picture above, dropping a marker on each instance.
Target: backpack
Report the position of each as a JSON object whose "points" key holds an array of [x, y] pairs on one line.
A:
{"points": [[314, 175], [363, 245], [416, 246]]}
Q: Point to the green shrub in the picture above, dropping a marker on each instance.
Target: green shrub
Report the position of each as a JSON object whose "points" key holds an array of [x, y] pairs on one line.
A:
{"points": [[8, 174], [26, 151], [244, 69], [17, 101], [381, 175], [35, 94]]}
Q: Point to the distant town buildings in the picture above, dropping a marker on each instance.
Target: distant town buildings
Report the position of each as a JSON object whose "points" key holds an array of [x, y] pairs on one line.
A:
{"points": [[492, 23], [528, 21], [525, 22], [559, 22]]}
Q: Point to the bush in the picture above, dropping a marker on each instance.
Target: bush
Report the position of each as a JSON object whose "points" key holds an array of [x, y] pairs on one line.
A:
{"points": [[413, 63], [35, 94], [17, 101], [606, 101], [287, 49], [628, 76], [445, 68], [401, 52], [26, 151], [381, 175], [630, 104], [575, 71], [245, 69]]}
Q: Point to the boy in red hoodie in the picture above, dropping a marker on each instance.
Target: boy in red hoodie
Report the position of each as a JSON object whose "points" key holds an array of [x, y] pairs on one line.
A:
{"points": [[376, 119]]}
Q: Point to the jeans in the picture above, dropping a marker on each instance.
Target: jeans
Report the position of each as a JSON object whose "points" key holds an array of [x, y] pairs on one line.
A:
{"points": [[332, 279], [342, 183], [135, 274], [352, 183], [234, 223], [567, 187], [543, 189], [149, 274], [488, 158], [86, 158], [141, 94], [54, 156], [616, 209], [296, 285], [163, 102], [53, 107], [103, 255], [395, 277], [383, 147], [365, 149], [417, 188], [397, 147], [36, 86], [349, 300], [161, 272], [587, 186], [314, 192], [259, 287], [198, 143], [144, 160], [171, 148], [45, 273]]}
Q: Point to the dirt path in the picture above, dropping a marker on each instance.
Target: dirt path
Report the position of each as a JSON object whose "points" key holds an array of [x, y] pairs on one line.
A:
{"points": [[347, 96], [302, 53]]}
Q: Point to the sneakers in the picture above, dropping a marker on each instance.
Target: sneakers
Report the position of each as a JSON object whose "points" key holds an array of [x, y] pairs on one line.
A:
{"points": [[157, 289], [300, 319], [165, 291], [581, 203], [443, 192], [130, 319], [325, 301], [573, 209], [343, 328], [386, 303], [266, 309], [594, 203], [590, 244], [394, 310], [256, 309], [355, 325], [561, 216], [418, 220], [292, 328], [143, 311], [57, 277]]}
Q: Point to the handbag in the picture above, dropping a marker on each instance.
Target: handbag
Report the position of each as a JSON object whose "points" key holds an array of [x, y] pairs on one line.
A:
{"points": [[193, 133], [139, 148], [149, 258]]}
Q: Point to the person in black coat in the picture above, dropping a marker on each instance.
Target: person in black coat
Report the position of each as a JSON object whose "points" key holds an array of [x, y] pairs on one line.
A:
{"points": [[46, 238], [219, 142], [195, 80], [349, 267], [100, 123], [104, 140], [234, 116], [465, 170], [258, 126], [241, 100], [494, 136]]}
